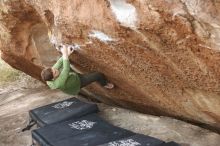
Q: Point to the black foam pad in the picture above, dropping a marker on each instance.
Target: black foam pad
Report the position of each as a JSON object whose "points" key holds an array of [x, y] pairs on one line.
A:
{"points": [[89, 130], [135, 140], [61, 111], [169, 144]]}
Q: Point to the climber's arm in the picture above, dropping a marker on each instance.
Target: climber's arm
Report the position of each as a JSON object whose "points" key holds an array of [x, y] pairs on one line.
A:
{"points": [[61, 80], [58, 64]]}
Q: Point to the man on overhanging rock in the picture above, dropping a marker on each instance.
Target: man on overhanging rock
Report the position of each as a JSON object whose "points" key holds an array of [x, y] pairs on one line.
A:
{"points": [[61, 77]]}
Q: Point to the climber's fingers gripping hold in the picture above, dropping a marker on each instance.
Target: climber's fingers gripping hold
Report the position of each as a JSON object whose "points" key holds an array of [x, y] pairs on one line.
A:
{"points": [[60, 47], [70, 49], [64, 50]]}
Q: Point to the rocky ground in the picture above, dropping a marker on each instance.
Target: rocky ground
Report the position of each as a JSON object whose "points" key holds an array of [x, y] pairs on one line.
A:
{"points": [[18, 97]]}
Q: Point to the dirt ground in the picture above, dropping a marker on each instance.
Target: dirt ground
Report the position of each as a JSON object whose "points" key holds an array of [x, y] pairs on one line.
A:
{"points": [[18, 97]]}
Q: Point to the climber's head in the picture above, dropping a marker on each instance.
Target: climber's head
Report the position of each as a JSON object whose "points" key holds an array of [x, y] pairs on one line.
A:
{"points": [[49, 74]]}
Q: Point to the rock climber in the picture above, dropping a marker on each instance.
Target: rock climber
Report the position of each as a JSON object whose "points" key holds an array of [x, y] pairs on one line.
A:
{"points": [[60, 76]]}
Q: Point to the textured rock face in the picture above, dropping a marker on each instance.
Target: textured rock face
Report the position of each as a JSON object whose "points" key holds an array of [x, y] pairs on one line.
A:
{"points": [[162, 55]]}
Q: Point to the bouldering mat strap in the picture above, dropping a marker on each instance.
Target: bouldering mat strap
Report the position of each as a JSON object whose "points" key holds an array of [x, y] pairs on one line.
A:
{"points": [[29, 125]]}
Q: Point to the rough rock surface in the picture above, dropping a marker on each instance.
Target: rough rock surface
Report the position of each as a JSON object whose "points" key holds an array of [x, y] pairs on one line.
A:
{"points": [[162, 55]]}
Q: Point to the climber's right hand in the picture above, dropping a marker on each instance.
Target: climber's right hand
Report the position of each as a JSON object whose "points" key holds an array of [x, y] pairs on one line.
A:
{"points": [[64, 51]]}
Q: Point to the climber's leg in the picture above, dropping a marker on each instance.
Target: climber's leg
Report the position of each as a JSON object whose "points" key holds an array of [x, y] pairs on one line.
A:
{"points": [[87, 79]]}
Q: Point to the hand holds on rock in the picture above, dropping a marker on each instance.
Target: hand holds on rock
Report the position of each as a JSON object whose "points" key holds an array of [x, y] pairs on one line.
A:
{"points": [[70, 48]]}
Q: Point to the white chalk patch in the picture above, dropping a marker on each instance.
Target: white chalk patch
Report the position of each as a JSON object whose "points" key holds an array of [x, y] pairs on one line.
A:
{"points": [[82, 125], [101, 36], [128, 142], [178, 12], [53, 39], [125, 13], [62, 105], [217, 26], [75, 46]]}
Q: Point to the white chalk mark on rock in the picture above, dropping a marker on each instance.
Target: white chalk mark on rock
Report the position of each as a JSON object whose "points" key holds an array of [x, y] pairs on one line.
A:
{"points": [[53, 39], [75, 46], [101, 36], [125, 13]]}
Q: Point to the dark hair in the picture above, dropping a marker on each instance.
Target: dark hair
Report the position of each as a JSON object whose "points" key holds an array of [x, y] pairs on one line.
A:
{"points": [[47, 74]]}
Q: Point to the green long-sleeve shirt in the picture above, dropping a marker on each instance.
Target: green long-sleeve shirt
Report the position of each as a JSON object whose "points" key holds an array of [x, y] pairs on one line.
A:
{"points": [[67, 81]]}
